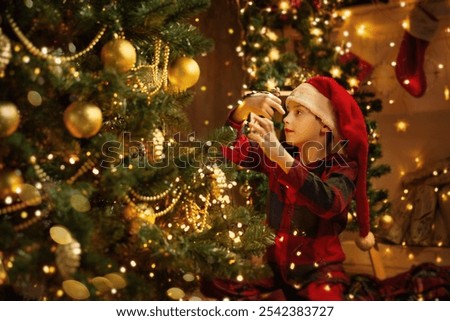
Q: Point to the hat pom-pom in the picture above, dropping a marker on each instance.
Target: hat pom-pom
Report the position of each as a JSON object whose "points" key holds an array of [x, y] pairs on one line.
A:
{"points": [[366, 243]]}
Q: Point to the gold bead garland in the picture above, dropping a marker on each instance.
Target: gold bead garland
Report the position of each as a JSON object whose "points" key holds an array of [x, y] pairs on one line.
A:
{"points": [[151, 217], [44, 177], [157, 197], [147, 78], [46, 56], [20, 206], [32, 221]]}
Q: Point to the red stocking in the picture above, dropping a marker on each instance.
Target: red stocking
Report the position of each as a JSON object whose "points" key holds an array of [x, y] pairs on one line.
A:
{"points": [[410, 59]]}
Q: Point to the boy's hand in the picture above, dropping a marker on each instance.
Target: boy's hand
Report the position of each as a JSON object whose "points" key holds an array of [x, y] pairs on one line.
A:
{"points": [[262, 131], [262, 104]]}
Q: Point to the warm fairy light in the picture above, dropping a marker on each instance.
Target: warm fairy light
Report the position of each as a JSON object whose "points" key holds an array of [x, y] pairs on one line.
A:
{"points": [[438, 259], [435, 173], [336, 71], [230, 31], [327, 288], [133, 263], [392, 44], [24, 215], [292, 266], [37, 213], [402, 4], [298, 253], [405, 191], [240, 278], [353, 82], [391, 101], [411, 256], [406, 81], [393, 63], [346, 33], [316, 264], [405, 24], [50, 156], [361, 30], [447, 93], [151, 274], [401, 126], [409, 207], [346, 14], [436, 189], [8, 200], [59, 293]]}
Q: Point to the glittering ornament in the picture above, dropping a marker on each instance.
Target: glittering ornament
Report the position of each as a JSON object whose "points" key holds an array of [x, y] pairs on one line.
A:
{"points": [[130, 212], [175, 293], [68, 258], [219, 183], [30, 195], [5, 53], [117, 280], [60, 235], [245, 190], [157, 153], [386, 221], [119, 55], [102, 284], [10, 182], [76, 290], [83, 120], [9, 118], [184, 73]]}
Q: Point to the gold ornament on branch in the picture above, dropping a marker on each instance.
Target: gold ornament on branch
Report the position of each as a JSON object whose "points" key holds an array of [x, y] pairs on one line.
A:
{"points": [[75, 289], [157, 152], [9, 118], [5, 53], [10, 182], [68, 257], [83, 120], [184, 73], [386, 222], [119, 55]]}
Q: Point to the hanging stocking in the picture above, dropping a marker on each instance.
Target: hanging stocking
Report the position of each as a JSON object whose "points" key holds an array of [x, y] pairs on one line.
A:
{"points": [[409, 69]]}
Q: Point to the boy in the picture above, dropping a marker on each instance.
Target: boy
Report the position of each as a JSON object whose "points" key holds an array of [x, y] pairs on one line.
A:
{"points": [[310, 191]]}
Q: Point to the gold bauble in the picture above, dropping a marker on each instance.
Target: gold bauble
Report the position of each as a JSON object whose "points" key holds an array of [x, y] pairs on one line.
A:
{"points": [[175, 293], [10, 182], [83, 120], [130, 212], [5, 53], [246, 190], [60, 235], [76, 290], [30, 194], [119, 54], [117, 280], [9, 118], [386, 221], [102, 284], [184, 73]]}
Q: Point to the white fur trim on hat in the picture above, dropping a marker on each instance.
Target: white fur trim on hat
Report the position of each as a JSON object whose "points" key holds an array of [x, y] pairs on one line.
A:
{"points": [[366, 243], [308, 96]]}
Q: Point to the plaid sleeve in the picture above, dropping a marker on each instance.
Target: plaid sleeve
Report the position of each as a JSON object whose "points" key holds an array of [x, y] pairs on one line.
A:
{"points": [[326, 196], [246, 153]]}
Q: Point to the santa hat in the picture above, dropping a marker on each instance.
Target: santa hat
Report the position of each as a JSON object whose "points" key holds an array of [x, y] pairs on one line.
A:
{"points": [[337, 109]]}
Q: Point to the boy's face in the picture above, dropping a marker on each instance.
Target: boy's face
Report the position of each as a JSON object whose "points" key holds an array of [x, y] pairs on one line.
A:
{"points": [[301, 126]]}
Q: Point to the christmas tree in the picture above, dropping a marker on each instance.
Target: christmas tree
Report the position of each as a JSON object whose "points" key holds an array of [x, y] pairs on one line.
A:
{"points": [[103, 197], [287, 41]]}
